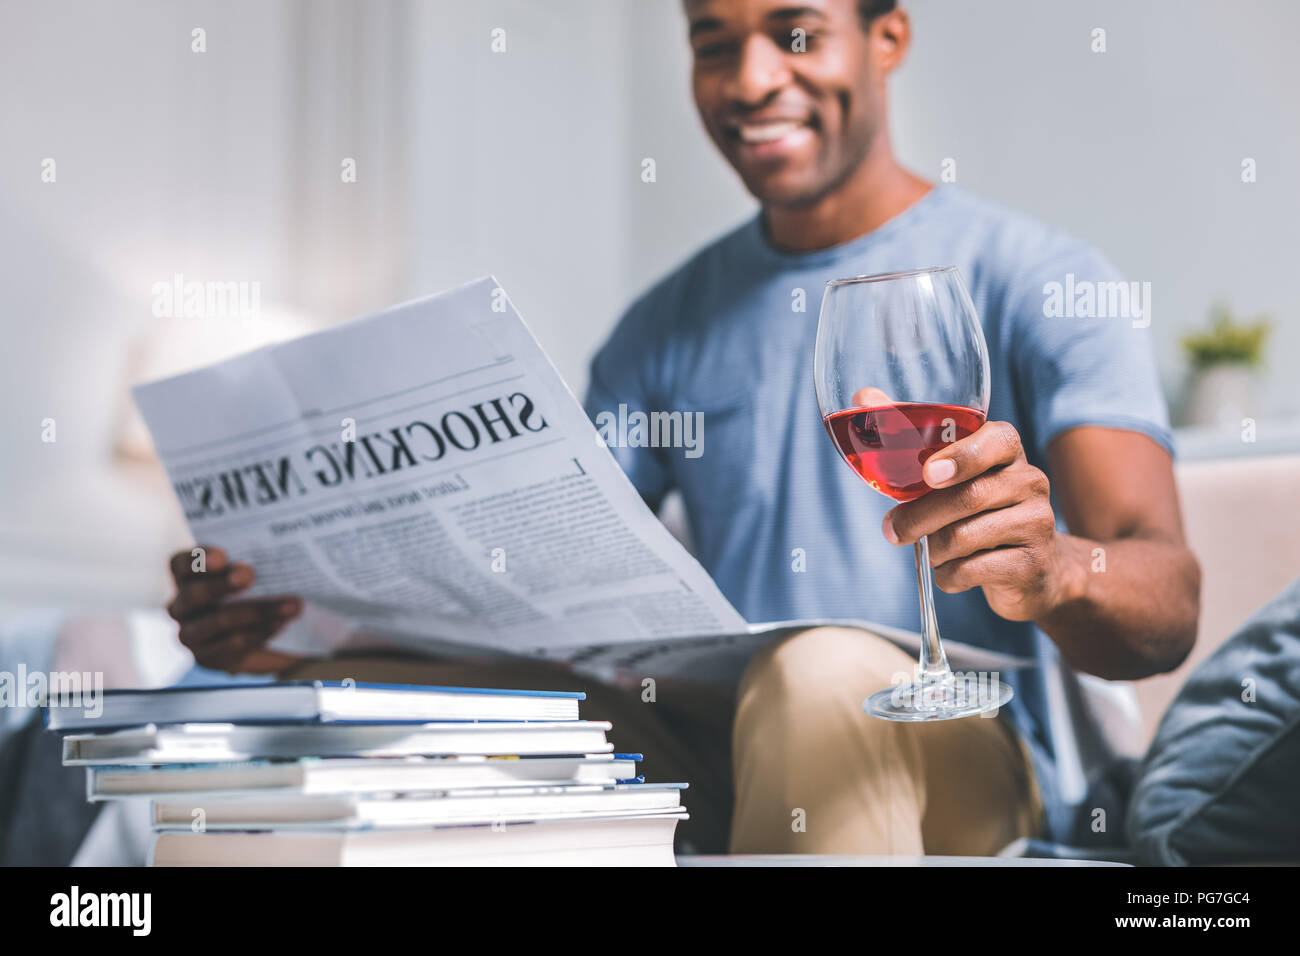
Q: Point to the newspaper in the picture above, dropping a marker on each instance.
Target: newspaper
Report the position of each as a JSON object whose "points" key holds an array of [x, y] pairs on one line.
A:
{"points": [[424, 478]]}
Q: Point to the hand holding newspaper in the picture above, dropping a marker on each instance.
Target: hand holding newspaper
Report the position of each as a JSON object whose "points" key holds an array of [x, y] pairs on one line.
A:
{"points": [[425, 476]]}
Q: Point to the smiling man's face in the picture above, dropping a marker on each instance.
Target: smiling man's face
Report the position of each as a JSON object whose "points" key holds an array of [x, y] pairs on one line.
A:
{"points": [[791, 91]]}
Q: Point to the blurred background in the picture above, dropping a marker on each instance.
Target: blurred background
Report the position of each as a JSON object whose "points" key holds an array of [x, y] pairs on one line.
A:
{"points": [[131, 157]]}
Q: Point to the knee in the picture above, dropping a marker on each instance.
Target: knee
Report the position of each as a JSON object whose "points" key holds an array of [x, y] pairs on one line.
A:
{"points": [[816, 663]]}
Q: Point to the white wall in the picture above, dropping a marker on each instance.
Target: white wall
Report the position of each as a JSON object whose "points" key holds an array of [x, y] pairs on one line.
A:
{"points": [[517, 165], [165, 162], [527, 164]]}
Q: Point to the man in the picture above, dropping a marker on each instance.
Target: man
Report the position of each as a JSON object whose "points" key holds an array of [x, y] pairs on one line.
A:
{"points": [[795, 99]]}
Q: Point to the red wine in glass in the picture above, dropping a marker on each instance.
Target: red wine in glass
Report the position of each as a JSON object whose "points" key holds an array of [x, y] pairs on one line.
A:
{"points": [[888, 444]]}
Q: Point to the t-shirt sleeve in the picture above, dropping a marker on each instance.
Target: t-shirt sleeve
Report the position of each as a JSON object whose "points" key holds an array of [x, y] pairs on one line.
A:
{"points": [[1082, 349], [622, 374]]}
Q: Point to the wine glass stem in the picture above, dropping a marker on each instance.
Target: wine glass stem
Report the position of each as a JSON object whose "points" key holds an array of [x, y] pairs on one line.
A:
{"points": [[934, 662]]}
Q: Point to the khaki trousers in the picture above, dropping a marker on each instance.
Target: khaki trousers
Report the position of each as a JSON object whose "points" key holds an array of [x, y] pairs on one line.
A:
{"points": [[787, 762]]}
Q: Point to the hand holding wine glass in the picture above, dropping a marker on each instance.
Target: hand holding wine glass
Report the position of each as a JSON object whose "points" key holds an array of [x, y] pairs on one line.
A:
{"points": [[902, 377], [989, 523]]}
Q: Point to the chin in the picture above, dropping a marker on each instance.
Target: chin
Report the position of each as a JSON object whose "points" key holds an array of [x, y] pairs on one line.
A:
{"points": [[784, 189]]}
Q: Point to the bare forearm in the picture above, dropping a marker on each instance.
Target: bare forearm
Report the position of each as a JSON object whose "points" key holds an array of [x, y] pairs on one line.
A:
{"points": [[1130, 606]]}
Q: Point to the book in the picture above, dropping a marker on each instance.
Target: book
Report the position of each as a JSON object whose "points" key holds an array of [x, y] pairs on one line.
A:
{"points": [[366, 775], [364, 811], [311, 702], [591, 840], [225, 743]]}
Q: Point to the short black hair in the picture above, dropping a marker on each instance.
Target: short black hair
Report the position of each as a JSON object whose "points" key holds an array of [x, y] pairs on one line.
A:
{"points": [[868, 10]]}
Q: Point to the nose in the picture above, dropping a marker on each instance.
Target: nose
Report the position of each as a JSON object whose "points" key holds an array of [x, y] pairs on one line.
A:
{"points": [[761, 70]]}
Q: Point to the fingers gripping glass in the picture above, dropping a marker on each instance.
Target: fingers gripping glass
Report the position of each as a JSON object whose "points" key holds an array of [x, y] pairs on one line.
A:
{"points": [[902, 370]]}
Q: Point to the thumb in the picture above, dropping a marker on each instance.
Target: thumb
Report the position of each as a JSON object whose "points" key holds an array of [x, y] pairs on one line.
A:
{"points": [[870, 398]]}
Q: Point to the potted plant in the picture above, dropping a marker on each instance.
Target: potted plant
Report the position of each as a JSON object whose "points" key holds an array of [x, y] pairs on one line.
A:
{"points": [[1225, 364]]}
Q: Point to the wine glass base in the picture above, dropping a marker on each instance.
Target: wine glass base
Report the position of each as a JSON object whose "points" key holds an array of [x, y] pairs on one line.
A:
{"points": [[938, 700]]}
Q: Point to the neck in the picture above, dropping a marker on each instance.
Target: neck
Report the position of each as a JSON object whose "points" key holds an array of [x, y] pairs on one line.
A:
{"points": [[877, 191]]}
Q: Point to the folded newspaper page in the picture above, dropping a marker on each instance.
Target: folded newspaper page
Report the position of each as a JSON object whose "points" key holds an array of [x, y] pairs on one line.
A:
{"points": [[424, 478]]}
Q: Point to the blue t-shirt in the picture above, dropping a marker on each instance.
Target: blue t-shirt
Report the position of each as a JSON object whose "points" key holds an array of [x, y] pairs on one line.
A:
{"points": [[723, 335]]}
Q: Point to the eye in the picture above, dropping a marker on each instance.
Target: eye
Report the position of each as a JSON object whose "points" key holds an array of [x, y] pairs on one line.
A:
{"points": [[715, 50]]}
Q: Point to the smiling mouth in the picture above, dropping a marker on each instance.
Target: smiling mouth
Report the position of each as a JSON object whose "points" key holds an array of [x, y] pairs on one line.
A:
{"points": [[768, 132], [769, 140]]}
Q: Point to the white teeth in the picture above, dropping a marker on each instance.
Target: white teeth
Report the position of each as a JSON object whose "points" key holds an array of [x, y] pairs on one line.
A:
{"points": [[767, 132]]}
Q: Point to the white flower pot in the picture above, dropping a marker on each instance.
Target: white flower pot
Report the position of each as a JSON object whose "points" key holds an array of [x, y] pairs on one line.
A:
{"points": [[1222, 395]]}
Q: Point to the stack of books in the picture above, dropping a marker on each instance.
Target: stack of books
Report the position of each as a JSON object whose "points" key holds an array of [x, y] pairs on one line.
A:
{"points": [[322, 774]]}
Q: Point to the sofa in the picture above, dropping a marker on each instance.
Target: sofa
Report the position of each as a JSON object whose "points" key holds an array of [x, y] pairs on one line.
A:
{"points": [[1242, 521]]}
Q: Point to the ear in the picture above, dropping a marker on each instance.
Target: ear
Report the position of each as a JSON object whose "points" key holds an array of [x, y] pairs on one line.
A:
{"points": [[890, 33]]}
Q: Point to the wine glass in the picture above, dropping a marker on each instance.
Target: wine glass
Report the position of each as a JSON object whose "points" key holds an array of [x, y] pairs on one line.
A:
{"points": [[902, 370]]}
